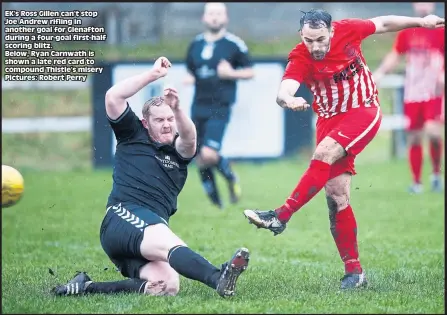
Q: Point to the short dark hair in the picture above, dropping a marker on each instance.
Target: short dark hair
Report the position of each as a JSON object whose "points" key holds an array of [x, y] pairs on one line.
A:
{"points": [[316, 18]]}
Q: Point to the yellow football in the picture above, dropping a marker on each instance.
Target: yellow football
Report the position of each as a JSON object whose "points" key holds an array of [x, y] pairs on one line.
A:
{"points": [[12, 186]]}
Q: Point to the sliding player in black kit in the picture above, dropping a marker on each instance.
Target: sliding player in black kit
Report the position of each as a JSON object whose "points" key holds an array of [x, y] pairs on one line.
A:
{"points": [[150, 169]]}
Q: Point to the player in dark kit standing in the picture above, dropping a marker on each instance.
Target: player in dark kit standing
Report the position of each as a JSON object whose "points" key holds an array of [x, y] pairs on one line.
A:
{"points": [[215, 60], [150, 169], [331, 64]]}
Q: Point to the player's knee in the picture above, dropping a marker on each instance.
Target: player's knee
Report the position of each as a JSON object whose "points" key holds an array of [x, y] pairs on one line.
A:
{"points": [[434, 137], [433, 130], [328, 151], [325, 155], [162, 287], [209, 156], [414, 138], [173, 286], [337, 202], [338, 193], [322, 155], [161, 279], [157, 241]]}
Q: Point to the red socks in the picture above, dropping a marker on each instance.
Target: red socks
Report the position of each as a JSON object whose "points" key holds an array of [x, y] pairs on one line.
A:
{"points": [[309, 185], [343, 227], [415, 156], [436, 154], [416, 159], [344, 231]]}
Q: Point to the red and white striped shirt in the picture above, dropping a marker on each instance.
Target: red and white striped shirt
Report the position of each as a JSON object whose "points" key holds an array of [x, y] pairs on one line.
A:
{"points": [[342, 80], [424, 50]]}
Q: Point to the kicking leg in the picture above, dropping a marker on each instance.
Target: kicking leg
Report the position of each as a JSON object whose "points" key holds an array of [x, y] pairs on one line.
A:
{"points": [[343, 137], [344, 229], [328, 151]]}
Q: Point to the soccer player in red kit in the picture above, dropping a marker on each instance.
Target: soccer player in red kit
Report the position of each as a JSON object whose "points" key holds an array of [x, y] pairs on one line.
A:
{"points": [[330, 62], [424, 50]]}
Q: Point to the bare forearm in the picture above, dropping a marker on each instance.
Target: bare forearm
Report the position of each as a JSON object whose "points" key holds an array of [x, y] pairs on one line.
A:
{"points": [[185, 127], [389, 63], [189, 79], [281, 99], [285, 94], [242, 74], [395, 23], [132, 85], [287, 91]]}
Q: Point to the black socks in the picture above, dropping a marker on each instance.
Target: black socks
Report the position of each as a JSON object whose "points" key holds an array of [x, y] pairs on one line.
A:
{"points": [[193, 266]]}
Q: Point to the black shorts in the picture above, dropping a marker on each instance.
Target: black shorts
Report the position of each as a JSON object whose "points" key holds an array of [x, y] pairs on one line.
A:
{"points": [[121, 235], [211, 129]]}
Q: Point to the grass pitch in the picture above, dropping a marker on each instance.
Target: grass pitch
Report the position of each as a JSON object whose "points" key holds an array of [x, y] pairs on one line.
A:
{"points": [[401, 242]]}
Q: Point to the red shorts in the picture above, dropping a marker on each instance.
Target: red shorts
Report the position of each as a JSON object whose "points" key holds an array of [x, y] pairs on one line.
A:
{"points": [[417, 114], [353, 130]]}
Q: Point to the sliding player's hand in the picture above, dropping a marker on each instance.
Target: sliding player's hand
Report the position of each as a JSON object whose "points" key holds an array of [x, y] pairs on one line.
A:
{"points": [[161, 67], [171, 97]]}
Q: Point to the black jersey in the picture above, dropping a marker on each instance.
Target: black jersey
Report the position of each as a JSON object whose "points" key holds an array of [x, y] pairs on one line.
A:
{"points": [[202, 60], [145, 172]]}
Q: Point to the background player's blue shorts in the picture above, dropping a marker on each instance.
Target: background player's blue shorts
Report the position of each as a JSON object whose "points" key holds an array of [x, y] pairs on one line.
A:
{"points": [[210, 126]]}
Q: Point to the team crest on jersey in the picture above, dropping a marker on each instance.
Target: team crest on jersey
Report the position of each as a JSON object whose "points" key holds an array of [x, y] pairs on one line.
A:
{"points": [[350, 50], [166, 161], [207, 51]]}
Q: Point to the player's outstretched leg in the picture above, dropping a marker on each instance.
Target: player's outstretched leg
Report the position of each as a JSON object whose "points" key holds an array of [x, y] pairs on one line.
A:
{"points": [[223, 280], [225, 169], [75, 286], [82, 284], [230, 272], [193, 266], [161, 244], [328, 151], [266, 220]]}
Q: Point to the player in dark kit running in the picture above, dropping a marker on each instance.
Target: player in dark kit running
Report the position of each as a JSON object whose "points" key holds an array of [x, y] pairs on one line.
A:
{"points": [[150, 169], [215, 61], [330, 62]]}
